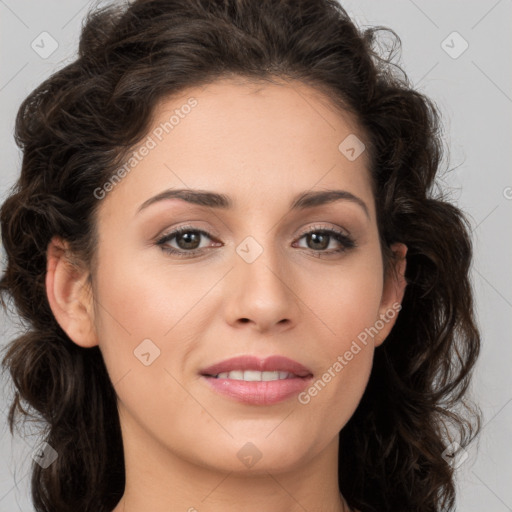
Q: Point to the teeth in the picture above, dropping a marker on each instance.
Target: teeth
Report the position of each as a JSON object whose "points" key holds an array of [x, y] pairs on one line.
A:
{"points": [[253, 375]]}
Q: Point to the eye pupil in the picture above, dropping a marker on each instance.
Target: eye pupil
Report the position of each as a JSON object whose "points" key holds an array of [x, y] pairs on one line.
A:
{"points": [[321, 240], [188, 236]]}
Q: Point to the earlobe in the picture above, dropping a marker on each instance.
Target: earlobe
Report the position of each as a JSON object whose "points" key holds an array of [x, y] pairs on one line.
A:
{"points": [[393, 292], [69, 295]]}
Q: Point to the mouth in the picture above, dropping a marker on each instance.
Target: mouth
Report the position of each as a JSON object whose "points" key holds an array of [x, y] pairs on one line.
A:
{"points": [[255, 381], [254, 375]]}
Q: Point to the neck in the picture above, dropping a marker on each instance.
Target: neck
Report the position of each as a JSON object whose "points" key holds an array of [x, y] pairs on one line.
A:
{"points": [[160, 480]]}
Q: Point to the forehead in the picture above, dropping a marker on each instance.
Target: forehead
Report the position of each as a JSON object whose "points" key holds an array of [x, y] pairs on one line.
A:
{"points": [[234, 103], [246, 138]]}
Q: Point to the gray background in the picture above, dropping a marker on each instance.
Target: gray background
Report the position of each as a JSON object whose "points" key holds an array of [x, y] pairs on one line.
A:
{"points": [[474, 94]]}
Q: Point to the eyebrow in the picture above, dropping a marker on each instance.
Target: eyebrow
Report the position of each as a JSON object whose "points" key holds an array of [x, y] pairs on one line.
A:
{"points": [[302, 201]]}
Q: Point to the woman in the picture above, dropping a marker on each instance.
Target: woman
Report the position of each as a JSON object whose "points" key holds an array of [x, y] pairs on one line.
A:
{"points": [[242, 293]]}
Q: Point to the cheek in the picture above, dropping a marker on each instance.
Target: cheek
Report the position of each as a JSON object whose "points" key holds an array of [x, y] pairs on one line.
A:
{"points": [[147, 300], [140, 300], [345, 300], [140, 316], [345, 309]]}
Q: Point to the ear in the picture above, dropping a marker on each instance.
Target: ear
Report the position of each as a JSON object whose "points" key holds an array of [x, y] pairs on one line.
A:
{"points": [[392, 293], [70, 295]]}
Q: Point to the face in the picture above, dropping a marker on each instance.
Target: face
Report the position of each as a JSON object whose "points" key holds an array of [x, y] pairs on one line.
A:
{"points": [[263, 270]]}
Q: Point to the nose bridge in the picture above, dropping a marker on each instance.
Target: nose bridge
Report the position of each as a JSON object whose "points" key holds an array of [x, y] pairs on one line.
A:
{"points": [[263, 292], [260, 262]]}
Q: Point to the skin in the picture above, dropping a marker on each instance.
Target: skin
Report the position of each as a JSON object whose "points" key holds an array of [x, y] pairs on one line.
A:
{"points": [[262, 146]]}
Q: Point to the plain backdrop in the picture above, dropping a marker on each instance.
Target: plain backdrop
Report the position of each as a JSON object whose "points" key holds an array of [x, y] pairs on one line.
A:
{"points": [[459, 54]]}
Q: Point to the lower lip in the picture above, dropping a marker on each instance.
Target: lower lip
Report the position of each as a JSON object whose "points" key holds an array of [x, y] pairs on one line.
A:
{"points": [[259, 392]]}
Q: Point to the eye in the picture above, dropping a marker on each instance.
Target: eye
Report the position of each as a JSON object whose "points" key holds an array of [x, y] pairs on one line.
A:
{"points": [[319, 239], [188, 240]]}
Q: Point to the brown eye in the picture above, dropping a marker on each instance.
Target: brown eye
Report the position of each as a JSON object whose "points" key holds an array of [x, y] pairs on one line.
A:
{"points": [[318, 240], [187, 240]]}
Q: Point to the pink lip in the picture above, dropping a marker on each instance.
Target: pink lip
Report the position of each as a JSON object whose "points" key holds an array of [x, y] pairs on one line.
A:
{"points": [[258, 393]]}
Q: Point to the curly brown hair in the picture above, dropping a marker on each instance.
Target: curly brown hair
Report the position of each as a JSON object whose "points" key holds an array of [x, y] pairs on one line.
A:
{"points": [[78, 125]]}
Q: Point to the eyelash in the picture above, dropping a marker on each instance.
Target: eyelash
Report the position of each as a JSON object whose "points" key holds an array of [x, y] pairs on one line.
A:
{"points": [[346, 241]]}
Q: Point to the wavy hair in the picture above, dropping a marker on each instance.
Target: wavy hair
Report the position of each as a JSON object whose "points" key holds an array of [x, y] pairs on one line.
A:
{"points": [[77, 126]]}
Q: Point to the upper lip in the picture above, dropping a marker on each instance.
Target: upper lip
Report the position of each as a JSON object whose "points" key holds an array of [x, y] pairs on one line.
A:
{"points": [[248, 362]]}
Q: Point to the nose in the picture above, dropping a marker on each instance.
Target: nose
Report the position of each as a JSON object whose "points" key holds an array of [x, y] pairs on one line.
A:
{"points": [[260, 289]]}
